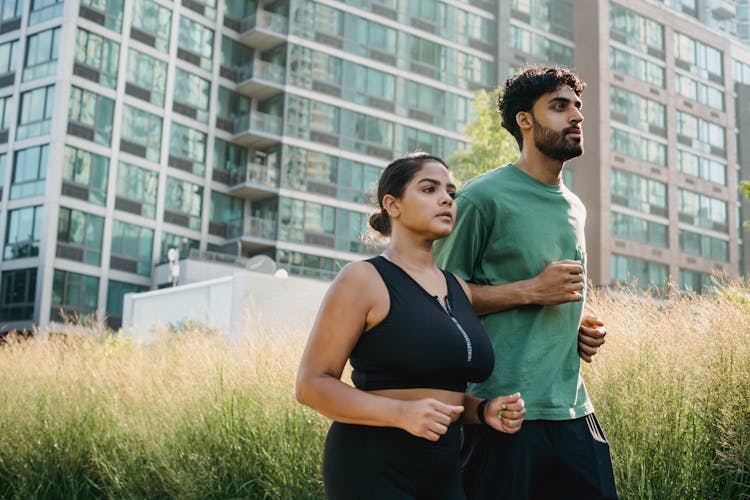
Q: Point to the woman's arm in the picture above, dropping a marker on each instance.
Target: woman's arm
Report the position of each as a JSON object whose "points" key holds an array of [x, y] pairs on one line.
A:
{"points": [[356, 300]]}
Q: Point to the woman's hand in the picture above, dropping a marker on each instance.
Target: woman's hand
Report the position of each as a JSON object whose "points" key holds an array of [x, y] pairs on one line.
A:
{"points": [[427, 418], [505, 413]]}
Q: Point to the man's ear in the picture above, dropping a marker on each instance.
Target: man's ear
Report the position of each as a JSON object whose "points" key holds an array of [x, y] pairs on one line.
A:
{"points": [[524, 119], [392, 206]]}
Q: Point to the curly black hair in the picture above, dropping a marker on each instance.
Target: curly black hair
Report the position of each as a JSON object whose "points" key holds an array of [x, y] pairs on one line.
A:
{"points": [[521, 91]]}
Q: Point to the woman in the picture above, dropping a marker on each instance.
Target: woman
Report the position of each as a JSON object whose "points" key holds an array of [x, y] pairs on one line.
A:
{"points": [[413, 342]]}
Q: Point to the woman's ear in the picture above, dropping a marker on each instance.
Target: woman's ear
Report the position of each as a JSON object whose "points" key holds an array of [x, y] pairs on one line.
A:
{"points": [[392, 206]]}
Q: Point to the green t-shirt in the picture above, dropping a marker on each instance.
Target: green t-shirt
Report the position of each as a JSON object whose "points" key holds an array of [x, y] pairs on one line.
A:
{"points": [[509, 227]]}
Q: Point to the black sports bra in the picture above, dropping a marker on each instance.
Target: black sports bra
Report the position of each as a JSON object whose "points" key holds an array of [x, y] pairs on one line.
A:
{"points": [[420, 344]]}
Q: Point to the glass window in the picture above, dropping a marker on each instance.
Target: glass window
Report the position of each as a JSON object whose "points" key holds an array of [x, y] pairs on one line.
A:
{"points": [[226, 215], [41, 54], [29, 172], [636, 67], [695, 281], [428, 53], [700, 59], [146, 77], [88, 172], [703, 211], [132, 246], [6, 112], [540, 47], [741, 72], [74, 293], [8, 56], [142, 131], [79, 236], [702, 167], [183, 203], [17, 294], [704, 245], [44, 10], [370, 82], [191, 95], [232, 105], [235, 57], [11, 10], [552, 16], [136, 190], [304, 115], [35, 115], [3, 161], [639, 193], [638, 229], [699, 91], [312, 266], [183, 244], [187, 149], [198, 41], [639, 273], [91, 114], [636, 31], [205, 7], [152, 24], [701, 134], [111, 10], [231, 158], [639, 147], [23, 233], [308, 66], [116, 291], [638, 112], [98, 57], [370, 130]]}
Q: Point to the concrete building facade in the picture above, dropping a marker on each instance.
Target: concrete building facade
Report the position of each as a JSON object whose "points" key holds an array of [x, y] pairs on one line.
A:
{"points": [[129, 127]]}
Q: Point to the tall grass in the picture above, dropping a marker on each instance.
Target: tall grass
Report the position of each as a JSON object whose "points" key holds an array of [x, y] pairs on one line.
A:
{"points": [[190, 416], [672, 389], [194, 416]]}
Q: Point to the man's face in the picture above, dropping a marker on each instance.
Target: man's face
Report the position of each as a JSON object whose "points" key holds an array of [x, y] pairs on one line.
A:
{"points": [[557, 124]]}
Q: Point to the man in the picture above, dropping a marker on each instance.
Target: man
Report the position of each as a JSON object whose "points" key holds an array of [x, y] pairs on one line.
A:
{"points": [[519, 241]]}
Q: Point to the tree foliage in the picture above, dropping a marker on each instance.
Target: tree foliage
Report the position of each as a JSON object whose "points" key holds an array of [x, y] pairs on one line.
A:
{"points": [[745, 189], [491, 145]]}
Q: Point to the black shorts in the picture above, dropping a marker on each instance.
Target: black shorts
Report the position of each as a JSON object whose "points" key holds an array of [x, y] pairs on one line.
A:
{"points": [[364, 462], [560, 459]]}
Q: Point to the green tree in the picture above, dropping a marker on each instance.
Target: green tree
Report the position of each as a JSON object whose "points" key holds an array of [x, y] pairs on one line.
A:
{"points": [[491, 145], [745, 189]]}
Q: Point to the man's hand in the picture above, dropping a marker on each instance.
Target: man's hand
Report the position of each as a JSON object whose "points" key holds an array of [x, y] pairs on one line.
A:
{"points": [[590, 336], [558, 283]]}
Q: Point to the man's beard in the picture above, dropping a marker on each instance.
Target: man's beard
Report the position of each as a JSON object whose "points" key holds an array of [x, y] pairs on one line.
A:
{"points": [[556, 144]]}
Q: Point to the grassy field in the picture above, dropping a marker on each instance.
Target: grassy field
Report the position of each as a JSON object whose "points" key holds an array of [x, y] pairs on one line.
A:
{"points": [[192, 416]]}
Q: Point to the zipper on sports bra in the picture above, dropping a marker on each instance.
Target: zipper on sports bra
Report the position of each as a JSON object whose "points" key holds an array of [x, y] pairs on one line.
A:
{"points": [[449, 312]]}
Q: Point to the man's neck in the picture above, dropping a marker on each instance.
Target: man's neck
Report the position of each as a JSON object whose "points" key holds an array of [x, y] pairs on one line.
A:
{"points": [[540, 166]]}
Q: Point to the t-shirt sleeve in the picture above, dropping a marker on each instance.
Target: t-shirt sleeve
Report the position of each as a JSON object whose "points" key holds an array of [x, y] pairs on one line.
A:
{"points": [[461, 252]]}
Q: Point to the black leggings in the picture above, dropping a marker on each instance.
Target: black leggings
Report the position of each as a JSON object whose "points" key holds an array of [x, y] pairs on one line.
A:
{"points": [[364, 462]]}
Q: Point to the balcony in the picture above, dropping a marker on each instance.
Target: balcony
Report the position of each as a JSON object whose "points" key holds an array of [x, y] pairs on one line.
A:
{"points": [[261, 79], [259, 236], [722, 10], [257, 130], [255, 183], [264, 30]]}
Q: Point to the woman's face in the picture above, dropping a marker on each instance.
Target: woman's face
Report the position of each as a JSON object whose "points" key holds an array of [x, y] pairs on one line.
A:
{"points": [[427, 205]]}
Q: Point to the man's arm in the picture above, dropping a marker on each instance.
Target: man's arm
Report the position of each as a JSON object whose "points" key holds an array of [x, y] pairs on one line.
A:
{"points": [[590, 336], [560, 282]]}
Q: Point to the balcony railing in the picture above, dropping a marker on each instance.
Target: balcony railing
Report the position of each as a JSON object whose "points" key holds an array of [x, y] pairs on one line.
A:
{"points": [[262, 70], [258, 122], [256, 173], [261, 228], [267, 21]]}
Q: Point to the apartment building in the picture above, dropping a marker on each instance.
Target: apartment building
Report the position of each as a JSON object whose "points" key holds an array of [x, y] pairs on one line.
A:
{"points": [[129, 127]]}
